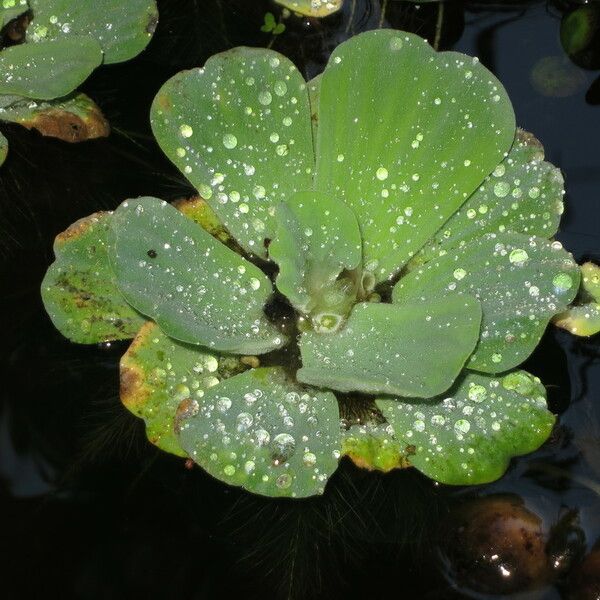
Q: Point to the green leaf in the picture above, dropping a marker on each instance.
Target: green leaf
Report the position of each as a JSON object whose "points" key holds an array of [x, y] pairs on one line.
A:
{"points": [[316, 239], [11, 9], [264, 433], [278, 29], [468, 435], [522, 195], [269, 23], [240, 131], [123, 29], [419, 132], [159, 373], [410, 350], [197, 290], [521, 282], [3, 148], [314, 93], [367, 439], [583, 318], [73, 119], [198, 210], [48, 70], [312, 8], [79, 290]]}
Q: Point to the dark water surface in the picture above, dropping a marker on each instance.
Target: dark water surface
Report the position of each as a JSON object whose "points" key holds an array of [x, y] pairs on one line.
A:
{"points": [[90, 510]]}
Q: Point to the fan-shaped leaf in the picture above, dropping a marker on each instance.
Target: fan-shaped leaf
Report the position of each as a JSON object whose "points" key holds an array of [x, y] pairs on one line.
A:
{"points": [[469, 434], [240, 131], [317, 238], [522, 195], [264, 433], [49, 70], [405, 141], [521, 282], [79, 290], [197, 290], [159, 373], [122, 28], [410, 350]]}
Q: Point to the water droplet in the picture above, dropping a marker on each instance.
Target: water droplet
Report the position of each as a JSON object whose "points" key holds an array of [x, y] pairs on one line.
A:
{"points": [[186, 131], [265, 98], [284, 481], [562, 282], [254, 283], [229, 141], [459, 274], [501, 189], [229, 470], [462, 426], [477, 393], [280, 88], [309, 459], [496, 357], [382, 173], [262, 437], [518, 256], [224, 404], [244, 420], [283, 447]]}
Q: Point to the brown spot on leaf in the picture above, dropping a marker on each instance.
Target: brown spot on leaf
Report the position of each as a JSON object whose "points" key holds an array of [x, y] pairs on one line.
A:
{"points": [[187, 408]]}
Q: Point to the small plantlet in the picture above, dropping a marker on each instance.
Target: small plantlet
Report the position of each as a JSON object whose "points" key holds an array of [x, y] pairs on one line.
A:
{"points": [[65, 41], [270, 25], [370, 261]]}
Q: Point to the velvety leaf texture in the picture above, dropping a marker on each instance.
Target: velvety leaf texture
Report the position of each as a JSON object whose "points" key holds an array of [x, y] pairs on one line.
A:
{"points": [[262, 432], [197, 290]]}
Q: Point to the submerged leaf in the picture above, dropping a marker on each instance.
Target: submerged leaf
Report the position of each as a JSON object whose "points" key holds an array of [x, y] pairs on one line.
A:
{"points": [[159, 373], [522, 195], [266, 434], [197, 290], [415, 137], [240, 131], [521, 282], [79, 290], [317, 238], [122, 28], [468, 435], [72, 119], [48, 70], [410, 350]]}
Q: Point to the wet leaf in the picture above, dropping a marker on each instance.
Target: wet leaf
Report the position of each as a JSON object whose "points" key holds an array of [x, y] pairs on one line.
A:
{"points": [[240, 131], [197, 290], [198, 210], [431, 127], [159, 373], [72, 119], [79, 290], [48, 70], [3, 148], [123, 29], [521, 282], [523, 195], [583, 317], [478, 426], [410, 350], [264, 433], [317, 238], [312, 8], [11, 9]]}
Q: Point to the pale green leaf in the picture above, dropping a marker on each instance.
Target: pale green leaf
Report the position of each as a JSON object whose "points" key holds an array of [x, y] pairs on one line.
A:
{"points": [[410, 350], [48, 70], [317, 238], [196, 288], [79, 290], [523, 195], [469, 434], [123, 28], [521, 282], [312, 8], [407, 140], [264, 433], [3, 148], [159, 373], [239, 129]]}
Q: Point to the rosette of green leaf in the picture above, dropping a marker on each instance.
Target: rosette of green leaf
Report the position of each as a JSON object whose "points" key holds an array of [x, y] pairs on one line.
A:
{"points": [[362, 199], [583, 317]]}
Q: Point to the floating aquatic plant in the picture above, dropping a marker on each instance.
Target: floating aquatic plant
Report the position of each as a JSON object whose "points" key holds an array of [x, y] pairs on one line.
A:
{"points": [[369, 263], [65, 41], [312, 8]]}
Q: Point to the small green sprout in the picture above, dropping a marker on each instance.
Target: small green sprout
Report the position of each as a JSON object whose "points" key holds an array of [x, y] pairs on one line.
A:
{"points": [[271, 25], [369, 263], [65, 41]]}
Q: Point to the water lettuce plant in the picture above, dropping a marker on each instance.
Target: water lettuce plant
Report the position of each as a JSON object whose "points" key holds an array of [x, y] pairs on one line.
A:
{"points": [[65, 41], [368, 263]]}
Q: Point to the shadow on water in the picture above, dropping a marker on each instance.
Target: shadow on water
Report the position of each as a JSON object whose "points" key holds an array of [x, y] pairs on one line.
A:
{"points": [[90, 510]]}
